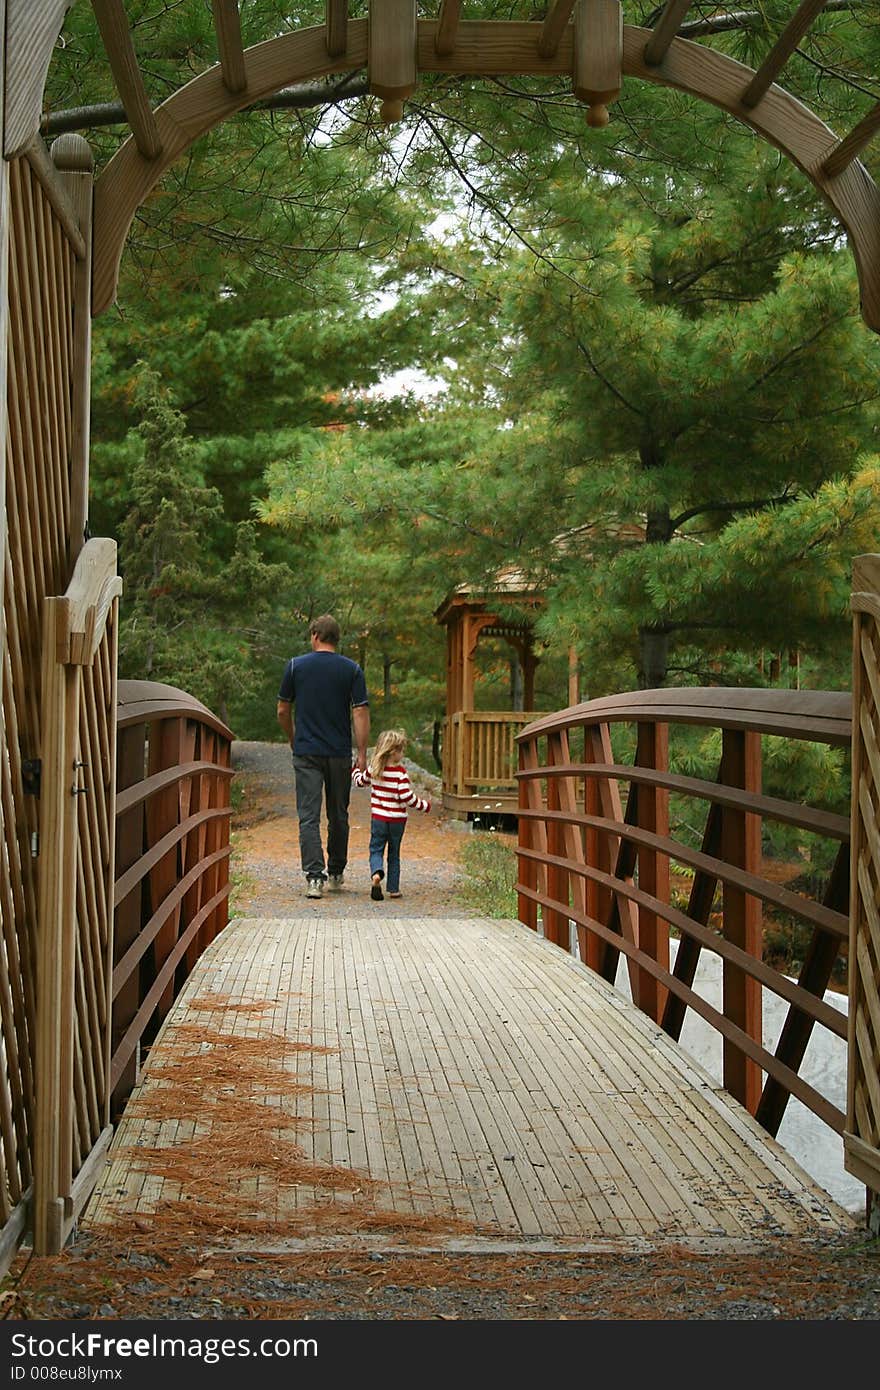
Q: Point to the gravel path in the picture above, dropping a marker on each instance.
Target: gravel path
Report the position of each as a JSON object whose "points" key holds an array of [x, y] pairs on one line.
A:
{"points": [[266, 864]]}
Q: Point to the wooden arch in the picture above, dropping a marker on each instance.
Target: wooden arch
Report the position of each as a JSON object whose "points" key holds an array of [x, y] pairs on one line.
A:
{"points": [[481, 49], [585, 39]]}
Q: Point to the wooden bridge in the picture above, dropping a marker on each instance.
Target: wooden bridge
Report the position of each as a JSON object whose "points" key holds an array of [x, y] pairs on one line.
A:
{"points": [[546, 1105], [457, 1082]]}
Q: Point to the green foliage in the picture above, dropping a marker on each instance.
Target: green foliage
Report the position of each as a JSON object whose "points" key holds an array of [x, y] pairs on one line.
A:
{"points": [[190, 616], [489, 861], [654, 394]]}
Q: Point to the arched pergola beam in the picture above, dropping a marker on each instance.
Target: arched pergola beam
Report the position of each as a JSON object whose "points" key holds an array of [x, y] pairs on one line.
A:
{"points": [[190, 113], [336, 27], [29, 42], [118, 44], [489, 49], [227, 23]]}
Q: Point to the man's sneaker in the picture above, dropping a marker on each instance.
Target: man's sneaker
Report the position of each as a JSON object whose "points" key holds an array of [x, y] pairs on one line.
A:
{"points": [[314, 888], [334, 883]]}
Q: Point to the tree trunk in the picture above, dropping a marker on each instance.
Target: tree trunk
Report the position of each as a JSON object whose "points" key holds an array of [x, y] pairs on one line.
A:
{"points": [[654, 638], [653, 657], [387, 663], [517, 689]]}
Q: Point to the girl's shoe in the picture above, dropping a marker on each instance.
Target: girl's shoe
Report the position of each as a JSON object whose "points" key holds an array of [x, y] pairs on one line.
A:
{"points": [[376, 891]]}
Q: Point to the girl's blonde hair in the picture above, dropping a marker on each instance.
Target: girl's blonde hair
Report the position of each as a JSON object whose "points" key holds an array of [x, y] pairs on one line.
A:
{"points": [[389, 746]]}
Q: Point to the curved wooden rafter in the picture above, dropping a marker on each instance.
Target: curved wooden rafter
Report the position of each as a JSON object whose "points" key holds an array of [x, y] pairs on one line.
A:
{"points": [[30, 38], [489, 48]]}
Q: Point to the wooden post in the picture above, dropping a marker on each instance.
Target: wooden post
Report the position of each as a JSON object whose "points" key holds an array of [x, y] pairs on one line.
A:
{"points": [[163, 814], [468, 647], [572, 840], [534, 873], [556, 918], [74, 161], [612, 906], [527, 908], [742, 914], [598, 56], [653, 814], [55, 936], [861, 1149], [598, 899], [131, 744], [391, 61]]}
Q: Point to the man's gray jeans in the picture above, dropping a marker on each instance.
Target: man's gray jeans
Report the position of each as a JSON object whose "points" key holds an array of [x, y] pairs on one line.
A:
{"points": [[320, 779]]}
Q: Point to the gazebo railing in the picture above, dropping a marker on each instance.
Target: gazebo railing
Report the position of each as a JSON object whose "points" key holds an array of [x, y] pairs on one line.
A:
{"points": [[479, 751], [172, 858], [595, 849]]}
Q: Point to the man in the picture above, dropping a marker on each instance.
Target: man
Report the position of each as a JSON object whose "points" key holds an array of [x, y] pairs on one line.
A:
{"points": [[328, 691]]}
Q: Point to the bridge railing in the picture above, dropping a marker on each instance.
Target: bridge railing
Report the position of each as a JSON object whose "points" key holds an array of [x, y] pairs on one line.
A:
{"points": [[172, 859], [595, 851]]}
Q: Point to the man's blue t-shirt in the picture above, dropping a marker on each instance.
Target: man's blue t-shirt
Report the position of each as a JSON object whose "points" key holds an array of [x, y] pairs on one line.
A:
{"points": [[323, 686]]}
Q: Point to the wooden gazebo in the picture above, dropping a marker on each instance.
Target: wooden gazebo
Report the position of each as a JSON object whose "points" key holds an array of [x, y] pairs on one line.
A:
{"points": [[479, 746]]}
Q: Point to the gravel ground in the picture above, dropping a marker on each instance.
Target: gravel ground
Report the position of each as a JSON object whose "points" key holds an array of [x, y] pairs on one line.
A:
{"points": [[179, 1270], [266, 860]]}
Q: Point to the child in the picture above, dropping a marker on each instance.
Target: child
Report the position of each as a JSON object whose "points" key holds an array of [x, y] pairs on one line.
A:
{"points": [[390, 794]]}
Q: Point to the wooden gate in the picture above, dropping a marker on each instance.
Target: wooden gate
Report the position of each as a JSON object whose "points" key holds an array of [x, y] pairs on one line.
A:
{"points": [[862, 1135], [75, 899], [53, 647]]}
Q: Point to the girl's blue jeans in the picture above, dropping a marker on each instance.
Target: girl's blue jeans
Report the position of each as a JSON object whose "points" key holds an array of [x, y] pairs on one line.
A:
{"points": [[386, 834]]}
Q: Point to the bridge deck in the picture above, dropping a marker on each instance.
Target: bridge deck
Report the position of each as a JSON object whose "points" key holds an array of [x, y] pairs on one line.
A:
{"points": [[451, 1082]]}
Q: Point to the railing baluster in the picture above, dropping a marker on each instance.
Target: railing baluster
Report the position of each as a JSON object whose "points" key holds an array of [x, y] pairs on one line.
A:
{"points": [[742, 914], [702, 896], [616, 916], [652, 751], [163, 813], [556, 919], [533, 835], [617, 856], [130, 845], [815, 976]]}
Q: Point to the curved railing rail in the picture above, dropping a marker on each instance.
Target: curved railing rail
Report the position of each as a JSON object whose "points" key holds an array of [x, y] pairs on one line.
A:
{"points": [[172, 858], [595, 849]]}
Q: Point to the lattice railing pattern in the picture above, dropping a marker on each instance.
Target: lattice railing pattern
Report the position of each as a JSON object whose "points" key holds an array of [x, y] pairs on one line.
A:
{"points": [[76, 869], [94, 899], [40, 345], [862, 1137]]}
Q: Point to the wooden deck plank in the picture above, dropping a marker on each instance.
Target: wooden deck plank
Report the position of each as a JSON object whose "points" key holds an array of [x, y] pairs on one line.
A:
{"points": [[476, 1075], [422, 1076], [478, 1064], [647, 1187], [604, 1065], [556, 1146]]}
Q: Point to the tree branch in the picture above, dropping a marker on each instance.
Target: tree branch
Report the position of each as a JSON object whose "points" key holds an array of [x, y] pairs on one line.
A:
{"points": [[609, 385], [301, 97], [756, 504], [739, 19]]}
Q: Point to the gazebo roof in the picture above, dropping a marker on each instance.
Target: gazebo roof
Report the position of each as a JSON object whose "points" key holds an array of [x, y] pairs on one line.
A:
{"points": [[511, 584]]}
